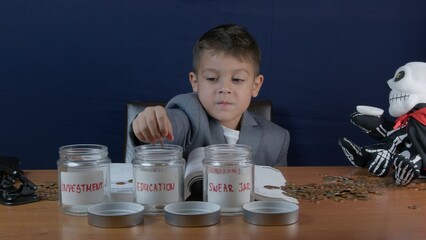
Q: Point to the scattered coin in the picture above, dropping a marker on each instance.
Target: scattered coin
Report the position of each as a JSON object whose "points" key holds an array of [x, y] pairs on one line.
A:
{"points": [[413, 207], [48, 191], [271, 187]]}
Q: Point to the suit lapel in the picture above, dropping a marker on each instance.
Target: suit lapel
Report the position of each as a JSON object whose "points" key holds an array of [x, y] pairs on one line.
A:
{"points": [[250, 134], [216, 132]]}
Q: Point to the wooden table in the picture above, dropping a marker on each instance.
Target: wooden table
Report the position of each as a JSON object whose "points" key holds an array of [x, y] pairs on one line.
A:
{"points": [[387, 216]]}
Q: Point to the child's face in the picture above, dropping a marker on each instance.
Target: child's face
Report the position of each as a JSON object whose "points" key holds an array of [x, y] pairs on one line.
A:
{"points": [[225, 86]]}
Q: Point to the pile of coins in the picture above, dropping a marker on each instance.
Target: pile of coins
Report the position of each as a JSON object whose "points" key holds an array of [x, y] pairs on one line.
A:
{"points": [[337, 188], [48, 191]]}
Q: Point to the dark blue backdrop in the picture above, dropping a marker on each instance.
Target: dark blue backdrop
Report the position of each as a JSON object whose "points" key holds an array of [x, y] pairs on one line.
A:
{"points": [[67, 68]]}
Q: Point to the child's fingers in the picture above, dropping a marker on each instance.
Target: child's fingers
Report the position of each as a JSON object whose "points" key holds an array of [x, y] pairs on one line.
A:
{"points": [[145, 126], [170, 136], [164, 125], [152, 131], [136, 130], [141, 130]]}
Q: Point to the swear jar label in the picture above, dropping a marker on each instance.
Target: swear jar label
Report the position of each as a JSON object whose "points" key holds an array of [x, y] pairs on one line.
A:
{"points": [[82, 188], [154, 188], [229, 186]]}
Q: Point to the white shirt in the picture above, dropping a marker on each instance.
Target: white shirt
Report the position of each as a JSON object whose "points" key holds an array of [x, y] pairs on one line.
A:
{"points": [[231, 135]]}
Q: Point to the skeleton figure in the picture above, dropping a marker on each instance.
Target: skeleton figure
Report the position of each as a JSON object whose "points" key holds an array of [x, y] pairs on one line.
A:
{"points": [[402, 145]]}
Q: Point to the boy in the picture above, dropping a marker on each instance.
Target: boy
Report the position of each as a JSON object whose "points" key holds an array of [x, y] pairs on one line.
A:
{"points": [[225, 76]]}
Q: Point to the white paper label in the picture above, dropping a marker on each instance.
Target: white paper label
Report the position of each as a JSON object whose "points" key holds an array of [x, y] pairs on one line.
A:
{"points": [[82, 188], [156, 188], [229, 187]]}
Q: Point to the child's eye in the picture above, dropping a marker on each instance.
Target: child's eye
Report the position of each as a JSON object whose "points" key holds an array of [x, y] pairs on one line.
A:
{"points": [[237, 80], [211, 79]]}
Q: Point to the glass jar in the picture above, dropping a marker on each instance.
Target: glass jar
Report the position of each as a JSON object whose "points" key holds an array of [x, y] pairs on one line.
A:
{"points": [[158, 171], [228, 176], [84, 177]]}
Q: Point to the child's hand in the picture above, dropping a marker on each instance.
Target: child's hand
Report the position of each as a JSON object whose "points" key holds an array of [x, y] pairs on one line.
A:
{"points": [[152, 125]]}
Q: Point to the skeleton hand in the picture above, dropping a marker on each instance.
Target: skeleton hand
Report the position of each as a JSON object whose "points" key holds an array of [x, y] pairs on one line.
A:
{"points": [[406, 170], [380, 159], [374, 126], [352, 152]]}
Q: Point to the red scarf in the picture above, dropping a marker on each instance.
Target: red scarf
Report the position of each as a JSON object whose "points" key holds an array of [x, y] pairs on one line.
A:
{"points": [[419, 115]]}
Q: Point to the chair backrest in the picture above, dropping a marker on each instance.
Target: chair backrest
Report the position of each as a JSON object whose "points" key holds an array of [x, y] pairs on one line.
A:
{"points": [[260, 108]]}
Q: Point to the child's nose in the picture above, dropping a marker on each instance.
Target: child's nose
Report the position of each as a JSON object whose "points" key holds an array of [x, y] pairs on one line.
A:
{"points": [[225, 87], [224, 90]]}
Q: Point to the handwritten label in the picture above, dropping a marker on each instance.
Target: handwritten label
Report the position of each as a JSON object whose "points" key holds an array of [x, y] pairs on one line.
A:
{"points": [[82, 188], [154, 188], [229, 187]]}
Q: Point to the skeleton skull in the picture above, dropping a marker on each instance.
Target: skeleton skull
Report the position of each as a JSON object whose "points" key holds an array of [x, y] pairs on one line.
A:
{"points": [[408, 88]]}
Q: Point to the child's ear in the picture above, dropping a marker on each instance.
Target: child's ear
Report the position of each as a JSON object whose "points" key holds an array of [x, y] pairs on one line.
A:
{"points": [[258, 81], [193, 81]]}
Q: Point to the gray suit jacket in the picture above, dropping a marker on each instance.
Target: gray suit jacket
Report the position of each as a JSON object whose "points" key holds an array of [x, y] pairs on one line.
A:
{"points": [[193, 128]]}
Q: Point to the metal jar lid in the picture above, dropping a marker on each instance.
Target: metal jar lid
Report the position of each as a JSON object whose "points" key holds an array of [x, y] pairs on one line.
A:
{"points": [[192, 214], [271, 212], [115, 214]]}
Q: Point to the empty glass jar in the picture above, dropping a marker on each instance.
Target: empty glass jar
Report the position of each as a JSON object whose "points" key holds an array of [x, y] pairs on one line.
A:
{"points": [[158, 172], [84, 177], [228, 176]]}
